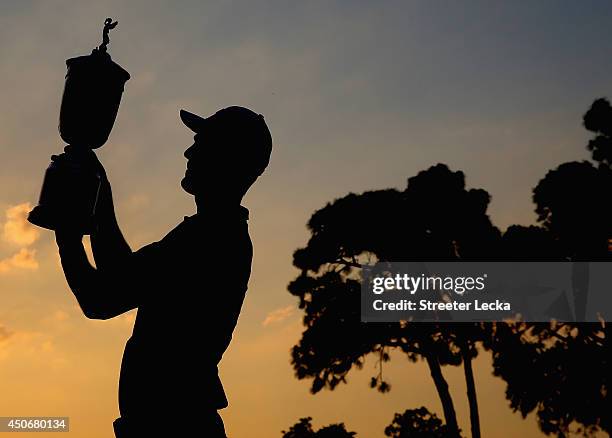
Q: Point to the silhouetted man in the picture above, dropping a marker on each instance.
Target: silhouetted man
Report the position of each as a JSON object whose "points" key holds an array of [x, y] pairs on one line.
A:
{"points": [[188, 287]]}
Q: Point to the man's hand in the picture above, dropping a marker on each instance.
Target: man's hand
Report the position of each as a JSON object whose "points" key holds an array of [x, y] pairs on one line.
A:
{"points": [[105, 210], [87, 159], [110, 248]]}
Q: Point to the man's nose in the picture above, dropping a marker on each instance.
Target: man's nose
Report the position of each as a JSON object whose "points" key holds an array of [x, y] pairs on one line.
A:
{"points": [[189, 151]]}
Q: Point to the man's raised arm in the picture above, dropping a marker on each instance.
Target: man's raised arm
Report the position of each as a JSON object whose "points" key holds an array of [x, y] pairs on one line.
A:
{"points": [[106, 291]]}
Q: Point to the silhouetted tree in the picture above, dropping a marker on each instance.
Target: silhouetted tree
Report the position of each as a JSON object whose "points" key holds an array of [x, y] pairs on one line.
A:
{"points": [[334, 431], [598, 119], [304, 429], [417, 423], [560, 370], [574, 202], [435, 218], [533, 243]]}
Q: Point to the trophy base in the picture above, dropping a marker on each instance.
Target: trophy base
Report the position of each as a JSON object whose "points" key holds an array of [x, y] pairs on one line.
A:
{"points": [[52, 219], [69, 193]]}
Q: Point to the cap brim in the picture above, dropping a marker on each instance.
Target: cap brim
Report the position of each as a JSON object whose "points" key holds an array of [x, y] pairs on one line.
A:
{"points": [[192, 121]]}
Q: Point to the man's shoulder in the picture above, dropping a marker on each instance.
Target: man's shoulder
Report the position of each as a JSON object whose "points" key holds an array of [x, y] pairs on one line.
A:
{"points": [[159, 244], [185, 226], [197, 230]]}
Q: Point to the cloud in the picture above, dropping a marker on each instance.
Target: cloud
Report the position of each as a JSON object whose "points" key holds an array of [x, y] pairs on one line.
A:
{"points": [[278, 315], [137, 202], [17, 229], [59, 316], [4, 333], [26, 346], [24, 259]]}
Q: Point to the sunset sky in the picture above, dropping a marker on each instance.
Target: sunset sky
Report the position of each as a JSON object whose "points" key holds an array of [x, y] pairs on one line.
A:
{"points": [[358, 95]]}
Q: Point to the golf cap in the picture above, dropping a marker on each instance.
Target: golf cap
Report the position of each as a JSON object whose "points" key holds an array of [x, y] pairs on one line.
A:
{"points": [[236, 127]]}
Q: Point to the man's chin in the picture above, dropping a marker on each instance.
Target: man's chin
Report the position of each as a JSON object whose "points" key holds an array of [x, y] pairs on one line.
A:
{"points": [[187, 186]]}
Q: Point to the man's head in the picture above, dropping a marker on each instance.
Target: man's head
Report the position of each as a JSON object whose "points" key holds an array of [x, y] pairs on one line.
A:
{"points": [[231, 149]]}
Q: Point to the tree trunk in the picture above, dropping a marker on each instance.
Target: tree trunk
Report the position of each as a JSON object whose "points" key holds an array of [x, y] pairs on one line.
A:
{"points": [[442, 386], [471, 390]]}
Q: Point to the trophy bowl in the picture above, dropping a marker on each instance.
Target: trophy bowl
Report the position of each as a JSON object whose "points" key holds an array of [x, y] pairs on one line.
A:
{"points": [[90, 102], [91, 98]]}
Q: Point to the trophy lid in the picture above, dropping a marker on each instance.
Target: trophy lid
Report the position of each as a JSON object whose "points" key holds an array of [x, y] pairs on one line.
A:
{"points": [[100, 59]]}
